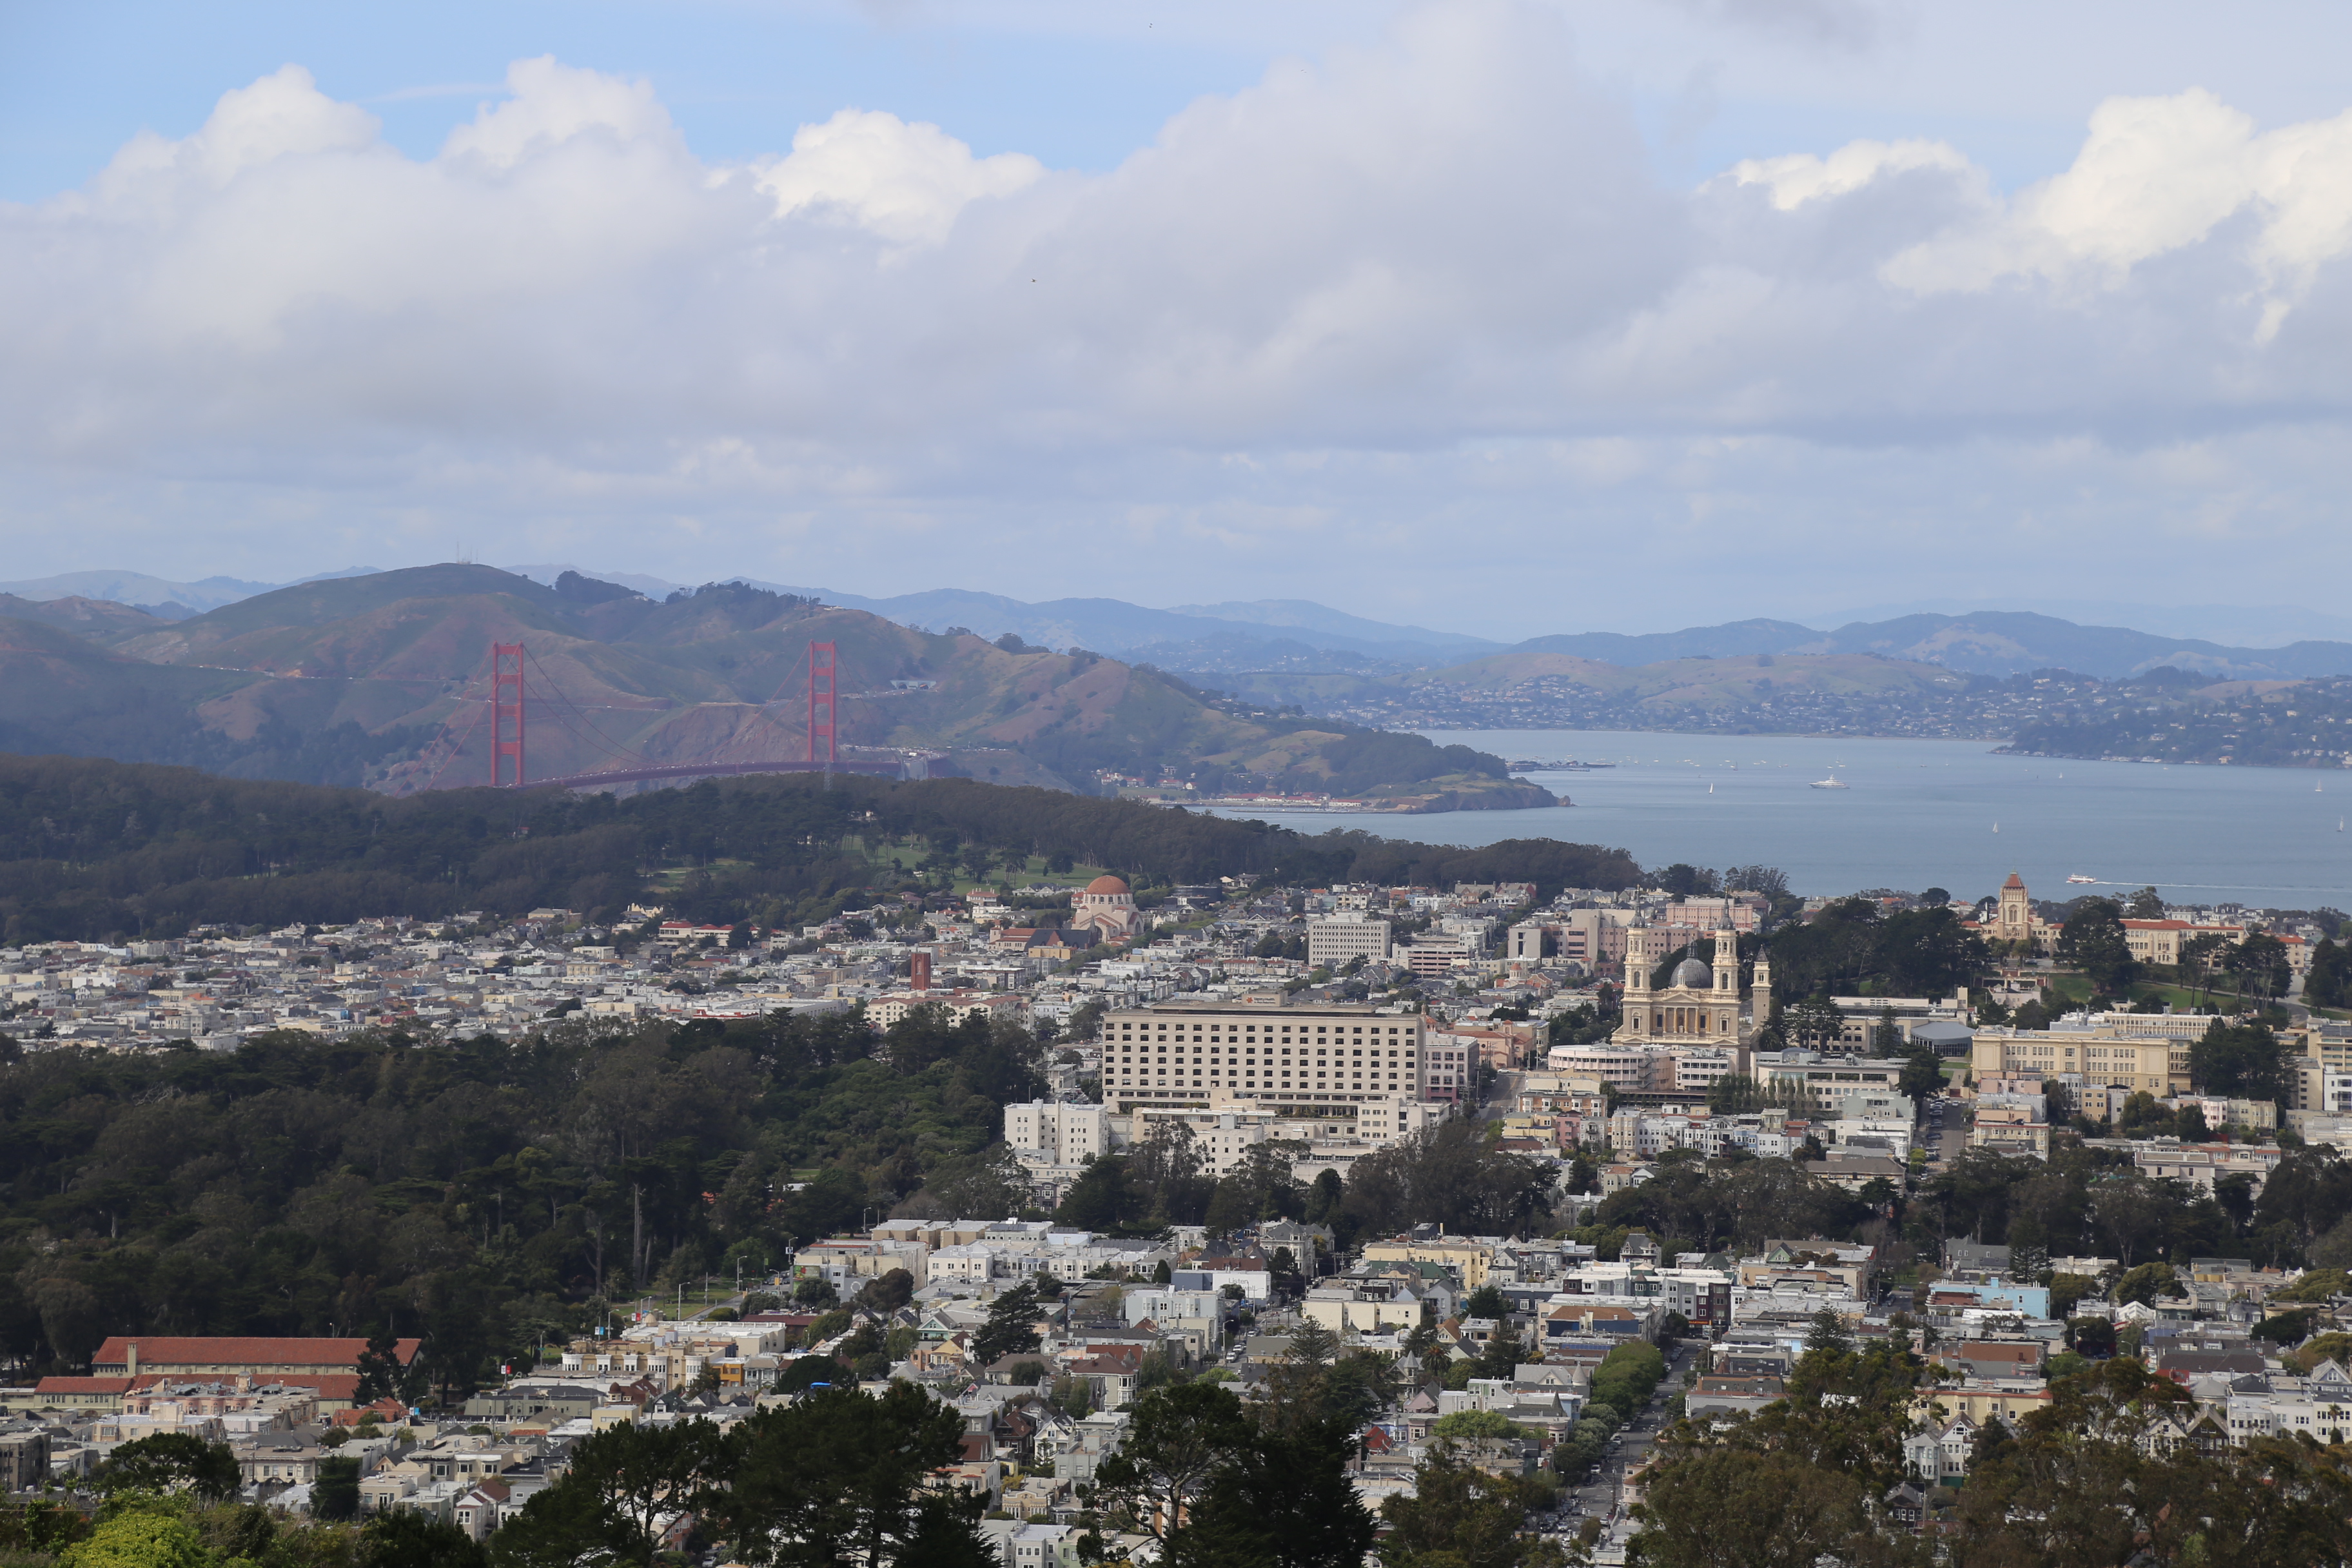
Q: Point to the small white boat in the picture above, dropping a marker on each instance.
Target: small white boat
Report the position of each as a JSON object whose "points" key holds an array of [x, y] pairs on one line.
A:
{"points": [[1830, 782], [2087, 881]]}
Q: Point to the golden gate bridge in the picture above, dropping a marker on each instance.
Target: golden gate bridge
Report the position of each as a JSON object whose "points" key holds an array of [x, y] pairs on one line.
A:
{"points": [[514, 698]]}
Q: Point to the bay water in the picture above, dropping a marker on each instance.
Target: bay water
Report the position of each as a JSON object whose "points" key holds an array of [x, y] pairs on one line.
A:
{"points": [[1915, 814]]}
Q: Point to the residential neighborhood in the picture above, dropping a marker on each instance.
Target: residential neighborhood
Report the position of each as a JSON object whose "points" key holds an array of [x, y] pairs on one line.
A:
{"points": [[1621, 1051]]}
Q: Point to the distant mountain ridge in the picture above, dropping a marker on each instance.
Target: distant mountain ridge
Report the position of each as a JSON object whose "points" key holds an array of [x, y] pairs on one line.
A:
{"points": [[1998, 643], [141, 591], [1116, 627], [1252, 637]]}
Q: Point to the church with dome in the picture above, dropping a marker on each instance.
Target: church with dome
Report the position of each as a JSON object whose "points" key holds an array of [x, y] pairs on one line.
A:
{"points": [[1107, 907], [1700, 1002]]}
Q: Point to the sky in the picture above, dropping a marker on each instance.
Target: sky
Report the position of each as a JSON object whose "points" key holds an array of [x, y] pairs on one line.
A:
{"points": [[1503, 318]]}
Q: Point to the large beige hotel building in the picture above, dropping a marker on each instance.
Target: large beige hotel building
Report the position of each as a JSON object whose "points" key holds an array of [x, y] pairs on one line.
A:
{"points": [[1345, 1065]]}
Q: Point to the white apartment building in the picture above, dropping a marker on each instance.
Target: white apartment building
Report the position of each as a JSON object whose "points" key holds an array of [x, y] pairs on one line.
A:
{"points": [[2199, 1165], [1072, 1133], [1352, 933], [1695, 1070], [1627, 1066], [885, 1010], [1341, 1066], [1806, 1082], [1688, 1069], [2321, 1409], [1222, 1137]]}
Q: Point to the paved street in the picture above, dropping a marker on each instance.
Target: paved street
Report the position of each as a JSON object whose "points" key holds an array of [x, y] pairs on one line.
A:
{"points": [[1947, 1134], [1599, 1498]]}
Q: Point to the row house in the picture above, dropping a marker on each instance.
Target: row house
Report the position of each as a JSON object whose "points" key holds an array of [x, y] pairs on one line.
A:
{"points": [[2321, 1409], [1348, 1306]]}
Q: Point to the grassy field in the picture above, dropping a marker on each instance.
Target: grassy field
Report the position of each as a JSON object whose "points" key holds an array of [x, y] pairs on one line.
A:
{"points": [[2076, 990], [667, 879], [909, 855]]}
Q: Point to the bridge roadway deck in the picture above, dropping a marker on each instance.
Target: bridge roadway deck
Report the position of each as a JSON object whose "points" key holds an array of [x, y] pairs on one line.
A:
{"points": [[897, 768]]}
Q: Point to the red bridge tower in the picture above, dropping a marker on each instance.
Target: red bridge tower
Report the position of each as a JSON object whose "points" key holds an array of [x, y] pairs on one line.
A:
{"points": [[823, 666], [506, 712]]}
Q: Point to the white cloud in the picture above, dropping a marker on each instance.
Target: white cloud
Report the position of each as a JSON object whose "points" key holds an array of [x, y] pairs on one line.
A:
{"points": [[282, 115], [872, 169], [2157, 176], [1350, 273], [1800, 177], [551, 104]]}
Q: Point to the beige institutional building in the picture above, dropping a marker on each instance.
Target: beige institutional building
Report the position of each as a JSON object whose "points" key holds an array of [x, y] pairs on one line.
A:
{"points": [[2115, 1054]]}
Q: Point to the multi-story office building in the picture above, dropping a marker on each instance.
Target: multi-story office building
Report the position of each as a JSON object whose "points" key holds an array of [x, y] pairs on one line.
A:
{"points": [[1348, 934]]}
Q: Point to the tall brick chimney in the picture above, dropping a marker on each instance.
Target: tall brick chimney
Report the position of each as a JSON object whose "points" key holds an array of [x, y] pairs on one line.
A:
{"points": [[919, 971]]}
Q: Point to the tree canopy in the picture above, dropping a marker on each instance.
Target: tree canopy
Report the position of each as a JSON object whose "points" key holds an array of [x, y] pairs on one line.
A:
{"points": [[91, 849], [482, 1196]]}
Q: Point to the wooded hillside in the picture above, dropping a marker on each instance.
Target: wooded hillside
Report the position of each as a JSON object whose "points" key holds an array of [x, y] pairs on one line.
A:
{"points": [[93, 849]]}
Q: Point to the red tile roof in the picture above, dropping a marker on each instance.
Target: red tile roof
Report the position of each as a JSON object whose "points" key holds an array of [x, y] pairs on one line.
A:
{"points": [[82, 1386], [160, 1351]]}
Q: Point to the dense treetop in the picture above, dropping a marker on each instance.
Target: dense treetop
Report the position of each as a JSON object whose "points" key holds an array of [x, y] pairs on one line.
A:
{"points": [[93, 849]]}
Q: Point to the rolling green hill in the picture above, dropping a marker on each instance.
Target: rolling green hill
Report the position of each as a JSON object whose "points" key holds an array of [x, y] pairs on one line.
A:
{"points": [[347, 681]]}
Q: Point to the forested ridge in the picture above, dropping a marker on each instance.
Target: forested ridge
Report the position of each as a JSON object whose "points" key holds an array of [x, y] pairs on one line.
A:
{"points": [[481, 1194], [92, 850]]}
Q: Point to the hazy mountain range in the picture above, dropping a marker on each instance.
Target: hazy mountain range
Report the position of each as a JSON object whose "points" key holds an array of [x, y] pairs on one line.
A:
{"points": [[1298, 636]]}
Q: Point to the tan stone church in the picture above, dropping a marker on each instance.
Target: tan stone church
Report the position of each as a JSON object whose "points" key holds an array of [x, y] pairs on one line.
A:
{"points": [[1700, 1004]]}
